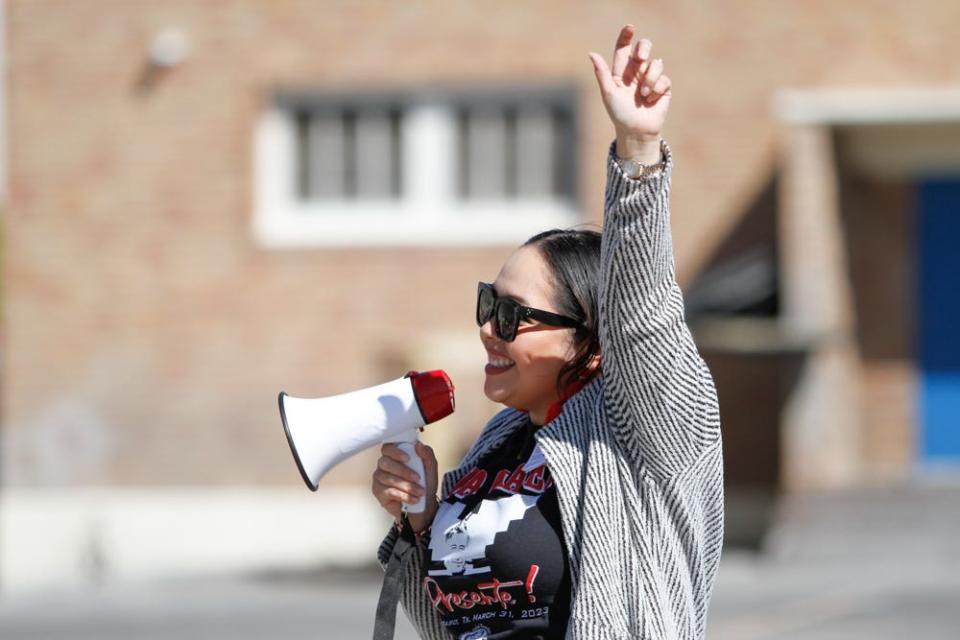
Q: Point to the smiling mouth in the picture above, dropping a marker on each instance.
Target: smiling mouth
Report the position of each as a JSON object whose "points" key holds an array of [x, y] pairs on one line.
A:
{"points": [[497, 364]]}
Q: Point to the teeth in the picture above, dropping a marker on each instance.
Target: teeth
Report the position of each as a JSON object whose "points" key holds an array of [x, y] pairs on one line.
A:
{"points": [[499, 362]]}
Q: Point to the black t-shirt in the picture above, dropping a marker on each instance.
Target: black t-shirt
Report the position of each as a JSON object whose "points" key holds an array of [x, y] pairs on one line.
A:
{"points": [[496, 566]]}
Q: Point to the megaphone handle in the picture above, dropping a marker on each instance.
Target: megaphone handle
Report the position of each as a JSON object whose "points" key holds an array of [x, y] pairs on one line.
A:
{"points": [[414, 462]]}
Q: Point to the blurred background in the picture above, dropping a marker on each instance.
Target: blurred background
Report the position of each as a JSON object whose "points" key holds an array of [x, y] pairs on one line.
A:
{"points": [[207, 202]]}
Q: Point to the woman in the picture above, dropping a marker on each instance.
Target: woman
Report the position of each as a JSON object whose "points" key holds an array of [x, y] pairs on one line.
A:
{"points": [[592, 506]]}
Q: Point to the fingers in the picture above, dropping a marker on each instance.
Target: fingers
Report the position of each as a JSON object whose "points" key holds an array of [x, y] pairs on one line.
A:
{"points": [[639, 61], [390, 467], [602, 71], [387, 487], [621, 52], [654, 83], [654, 72], [662, 86], [429, 467], [426, 454], [388, 491], [394, 483], [394, 480], [394, 452], [390, 498]]}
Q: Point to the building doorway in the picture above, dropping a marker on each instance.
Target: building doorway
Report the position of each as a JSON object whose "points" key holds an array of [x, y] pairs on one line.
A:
{"points": [[938, 351]]}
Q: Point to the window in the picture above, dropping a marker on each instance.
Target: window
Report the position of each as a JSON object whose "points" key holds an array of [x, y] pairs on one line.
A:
{"points": [[347, 153], [450, 168]]}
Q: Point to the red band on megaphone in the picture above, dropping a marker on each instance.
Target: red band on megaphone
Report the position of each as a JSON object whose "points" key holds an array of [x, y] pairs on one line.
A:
{"points": [[434, 393]]}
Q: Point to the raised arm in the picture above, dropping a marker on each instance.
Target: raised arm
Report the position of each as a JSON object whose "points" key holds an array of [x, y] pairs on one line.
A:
{"points": [[659, 391]]}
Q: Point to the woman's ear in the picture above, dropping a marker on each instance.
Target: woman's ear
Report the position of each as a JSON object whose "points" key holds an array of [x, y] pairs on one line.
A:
{"points": [[594, 362], [592, 365]]}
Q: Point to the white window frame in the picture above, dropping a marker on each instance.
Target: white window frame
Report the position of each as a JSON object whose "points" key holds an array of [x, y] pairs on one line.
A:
{"points": [[428, 212]]}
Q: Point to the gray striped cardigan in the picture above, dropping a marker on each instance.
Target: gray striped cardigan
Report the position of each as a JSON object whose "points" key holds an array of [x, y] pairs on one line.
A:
{"points": [[635, 454]]}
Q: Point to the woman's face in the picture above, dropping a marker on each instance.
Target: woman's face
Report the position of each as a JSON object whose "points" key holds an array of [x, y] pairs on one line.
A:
{"points": [[523, 374]]}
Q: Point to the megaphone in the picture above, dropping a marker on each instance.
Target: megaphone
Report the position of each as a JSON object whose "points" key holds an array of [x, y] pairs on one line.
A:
{"points": [[322, 432]]}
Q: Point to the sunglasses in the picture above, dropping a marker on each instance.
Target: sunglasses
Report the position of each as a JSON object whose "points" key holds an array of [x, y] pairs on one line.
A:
{"points": [[508, 313]]}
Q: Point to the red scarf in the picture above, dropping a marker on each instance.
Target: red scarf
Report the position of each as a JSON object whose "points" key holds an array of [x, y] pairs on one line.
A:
{"points": [[571, 389]]}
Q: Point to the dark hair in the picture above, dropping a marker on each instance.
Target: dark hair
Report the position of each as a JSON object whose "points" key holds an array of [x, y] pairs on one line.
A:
{"points": [[573, 257]]}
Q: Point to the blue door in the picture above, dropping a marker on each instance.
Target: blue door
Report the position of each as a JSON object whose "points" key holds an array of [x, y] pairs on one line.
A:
{"points": [[939, 322]]}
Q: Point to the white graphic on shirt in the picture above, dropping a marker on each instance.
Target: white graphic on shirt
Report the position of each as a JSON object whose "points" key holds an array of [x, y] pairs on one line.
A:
{"points": [[462, 542], [477, 633]]}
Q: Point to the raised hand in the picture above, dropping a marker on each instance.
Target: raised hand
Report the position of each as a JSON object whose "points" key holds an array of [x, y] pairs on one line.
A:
{"points": [[636, 95]]}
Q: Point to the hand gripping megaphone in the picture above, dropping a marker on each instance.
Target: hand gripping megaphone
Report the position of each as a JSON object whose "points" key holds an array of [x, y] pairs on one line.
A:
{"points": [[324, 431]]}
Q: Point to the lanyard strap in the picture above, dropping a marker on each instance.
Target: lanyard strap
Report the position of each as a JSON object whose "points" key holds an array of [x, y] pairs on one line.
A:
{"points": [[390, 591]]}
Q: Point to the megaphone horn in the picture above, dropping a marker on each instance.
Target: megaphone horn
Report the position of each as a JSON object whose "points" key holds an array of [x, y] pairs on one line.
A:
{"points": [[324, 431]]}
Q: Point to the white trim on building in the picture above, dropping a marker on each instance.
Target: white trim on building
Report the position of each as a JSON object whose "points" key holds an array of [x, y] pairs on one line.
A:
{"points": [[867, 105], [427, 213]]}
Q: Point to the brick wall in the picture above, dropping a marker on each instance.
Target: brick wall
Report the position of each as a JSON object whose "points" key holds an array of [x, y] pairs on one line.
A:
{"points": [[147, 336]]}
